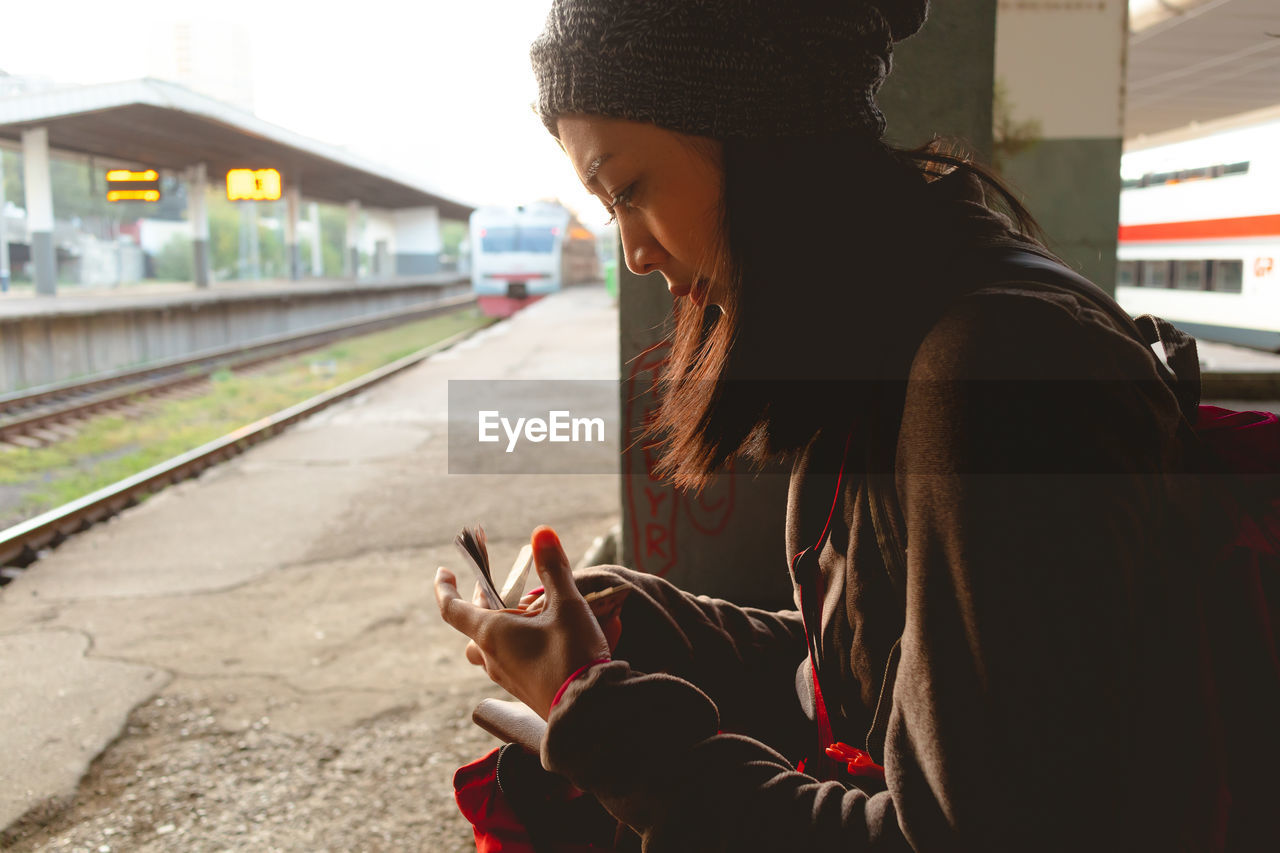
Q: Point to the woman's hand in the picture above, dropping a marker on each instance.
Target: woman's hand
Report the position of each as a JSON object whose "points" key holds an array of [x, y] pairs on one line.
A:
{"points": [[530, 652]]}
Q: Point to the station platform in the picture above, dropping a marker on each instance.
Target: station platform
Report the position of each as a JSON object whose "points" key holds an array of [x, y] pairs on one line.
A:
{"points": [[256, 654], [70, 300], [82, 332], [253, 660]]}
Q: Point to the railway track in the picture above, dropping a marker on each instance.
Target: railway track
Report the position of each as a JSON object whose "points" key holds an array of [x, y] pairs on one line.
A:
{"points": [[21, 544], [36, 417]]}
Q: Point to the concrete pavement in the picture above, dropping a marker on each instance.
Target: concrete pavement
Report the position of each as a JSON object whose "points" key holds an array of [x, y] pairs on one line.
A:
{"points": [[286, 594], [294, 578]]}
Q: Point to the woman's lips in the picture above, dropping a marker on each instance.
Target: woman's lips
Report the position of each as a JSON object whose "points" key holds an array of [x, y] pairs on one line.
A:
{"points": [[697, 292]]}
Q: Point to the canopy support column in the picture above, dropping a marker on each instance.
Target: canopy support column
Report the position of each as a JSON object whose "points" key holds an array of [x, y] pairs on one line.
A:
{"points": [[351, 253], [4, 235], [292, 204], [317, 255], [39, 202], [198, 215]]}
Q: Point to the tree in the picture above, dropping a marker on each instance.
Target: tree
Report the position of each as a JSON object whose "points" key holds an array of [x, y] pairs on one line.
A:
{"points": [[453, 234], [79, 190], [1010, 137], [333, 239], [175, 261]]}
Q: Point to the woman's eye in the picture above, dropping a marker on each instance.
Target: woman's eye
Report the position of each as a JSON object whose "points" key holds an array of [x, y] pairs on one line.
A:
{"points": [[623, 200]]}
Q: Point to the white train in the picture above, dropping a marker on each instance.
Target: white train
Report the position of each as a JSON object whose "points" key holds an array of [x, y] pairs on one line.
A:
{"points": [[1200, 235], [520, 254]]}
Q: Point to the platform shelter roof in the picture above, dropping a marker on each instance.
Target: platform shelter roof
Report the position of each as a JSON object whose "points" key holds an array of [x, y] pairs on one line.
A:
{"points": [[1194, 62], [160, 125]]}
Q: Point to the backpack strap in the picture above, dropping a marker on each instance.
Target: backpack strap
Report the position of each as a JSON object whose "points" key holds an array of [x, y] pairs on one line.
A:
{"points": [[1182, 374], [882, 492], [1182, 368]]}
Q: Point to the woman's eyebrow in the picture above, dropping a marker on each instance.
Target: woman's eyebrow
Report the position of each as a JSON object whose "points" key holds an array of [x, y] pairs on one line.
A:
{"points": [[594, 167]]}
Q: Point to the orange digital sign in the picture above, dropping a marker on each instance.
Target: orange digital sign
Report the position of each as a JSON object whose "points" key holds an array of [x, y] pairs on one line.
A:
{"points": [[253, 185], [133, 195], [130, 185], [126, 175]]}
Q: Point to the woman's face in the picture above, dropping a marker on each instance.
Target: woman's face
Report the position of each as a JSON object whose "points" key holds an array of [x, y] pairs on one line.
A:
{"points": [[663, 187]]}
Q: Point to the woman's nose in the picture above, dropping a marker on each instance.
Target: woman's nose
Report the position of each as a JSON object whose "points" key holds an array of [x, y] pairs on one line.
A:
{"points": [[643, 253]]}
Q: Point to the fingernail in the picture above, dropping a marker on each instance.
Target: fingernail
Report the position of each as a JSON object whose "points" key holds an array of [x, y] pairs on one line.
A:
{"points": [[545, 538]]}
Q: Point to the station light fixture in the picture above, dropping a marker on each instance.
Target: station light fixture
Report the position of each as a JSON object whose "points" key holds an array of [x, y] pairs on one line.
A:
{"points": [[131, 185], [133, 195], [127, 175], [253, 185]]}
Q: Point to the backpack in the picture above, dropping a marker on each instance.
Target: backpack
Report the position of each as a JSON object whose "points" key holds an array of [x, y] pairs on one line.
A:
{"points": [[1242, 605], [1243, 445]]}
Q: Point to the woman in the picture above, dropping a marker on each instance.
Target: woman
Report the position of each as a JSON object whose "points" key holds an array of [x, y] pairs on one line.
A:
{"points": [[988, 537]]}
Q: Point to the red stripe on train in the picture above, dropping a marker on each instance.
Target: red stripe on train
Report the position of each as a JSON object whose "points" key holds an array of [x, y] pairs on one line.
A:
{"points": [[1203, 229]]}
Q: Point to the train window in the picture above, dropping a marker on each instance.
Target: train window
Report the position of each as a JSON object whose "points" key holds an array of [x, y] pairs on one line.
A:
{"points": [[1127, 274], [1155, 274], [540, 240], [1226, 276], [1188, 275], [498, 239], [1157, 179]]}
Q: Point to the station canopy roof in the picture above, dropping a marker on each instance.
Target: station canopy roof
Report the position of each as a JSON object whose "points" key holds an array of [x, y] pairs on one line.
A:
{"points": [[159, 125], [1195, 62]]}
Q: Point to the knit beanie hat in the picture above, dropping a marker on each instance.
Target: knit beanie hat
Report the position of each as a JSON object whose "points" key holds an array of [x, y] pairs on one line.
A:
{"points": [[722, 68]]}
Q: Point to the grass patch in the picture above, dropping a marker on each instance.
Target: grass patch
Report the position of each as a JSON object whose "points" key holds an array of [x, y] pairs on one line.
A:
{"points": [[111, 447]]}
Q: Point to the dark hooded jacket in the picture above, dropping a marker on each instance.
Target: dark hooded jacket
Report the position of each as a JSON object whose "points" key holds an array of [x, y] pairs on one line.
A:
{"points": [[1031, 677]]}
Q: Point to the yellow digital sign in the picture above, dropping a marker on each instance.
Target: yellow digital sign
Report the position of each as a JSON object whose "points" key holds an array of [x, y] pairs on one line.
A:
{"points": [[253, 185], [126, 175], [131, 185], [133, 195]]}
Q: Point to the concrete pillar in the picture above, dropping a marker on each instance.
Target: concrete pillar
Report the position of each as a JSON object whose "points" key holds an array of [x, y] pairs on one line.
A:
{"points": [[1062, 118], [39, 203], [249, 262], [351, 249], [417, 239], [4, 234], [317, 253], [729, 540], [198, 215], [292, 206]]}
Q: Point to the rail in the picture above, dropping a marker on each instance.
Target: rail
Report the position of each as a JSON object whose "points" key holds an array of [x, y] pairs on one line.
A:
{"points": [[26, 414], [20, 544]]}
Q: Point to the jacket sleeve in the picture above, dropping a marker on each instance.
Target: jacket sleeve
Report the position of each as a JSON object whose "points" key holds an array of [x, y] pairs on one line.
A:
{"points": [[1035, 704], [744, 658], [1019, 690]]}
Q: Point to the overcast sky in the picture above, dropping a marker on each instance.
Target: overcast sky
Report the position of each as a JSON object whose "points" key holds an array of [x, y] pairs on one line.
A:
{"points": [[438, 89]]}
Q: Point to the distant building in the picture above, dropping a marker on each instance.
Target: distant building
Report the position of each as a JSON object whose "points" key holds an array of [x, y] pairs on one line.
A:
{"points": [[13, 84], [212, 56]]}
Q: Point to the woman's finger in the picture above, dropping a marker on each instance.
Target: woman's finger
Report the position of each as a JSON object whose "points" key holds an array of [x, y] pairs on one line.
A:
{"points": [[474, 655], [463, 616], [553, 565]]}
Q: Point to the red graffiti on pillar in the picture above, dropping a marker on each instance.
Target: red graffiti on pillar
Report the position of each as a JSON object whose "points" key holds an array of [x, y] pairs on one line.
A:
{"points": [[651, 504], [709, 510]]}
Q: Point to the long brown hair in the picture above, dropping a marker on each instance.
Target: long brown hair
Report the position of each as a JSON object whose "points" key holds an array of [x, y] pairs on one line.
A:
{"points": [[833, 259]]}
